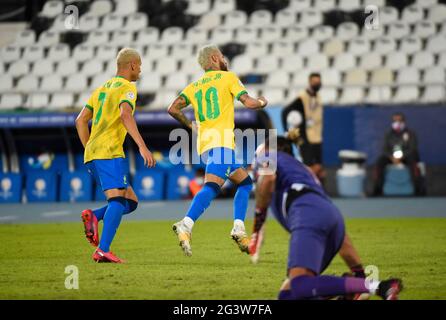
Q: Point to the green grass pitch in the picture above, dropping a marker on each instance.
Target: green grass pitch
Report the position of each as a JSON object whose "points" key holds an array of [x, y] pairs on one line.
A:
{"points": [[33, 260]]}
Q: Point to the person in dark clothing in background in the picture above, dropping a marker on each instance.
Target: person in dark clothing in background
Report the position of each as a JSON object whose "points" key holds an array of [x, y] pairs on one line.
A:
{"points": [[305, 114], [400, 146]]}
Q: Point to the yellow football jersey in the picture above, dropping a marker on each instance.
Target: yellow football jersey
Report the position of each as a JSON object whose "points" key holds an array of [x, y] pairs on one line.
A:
{"points": [[107, 131], [212, 98]]}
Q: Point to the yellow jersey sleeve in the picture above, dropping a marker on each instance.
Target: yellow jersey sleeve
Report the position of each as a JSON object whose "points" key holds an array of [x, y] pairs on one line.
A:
{"points": [[186, 94], [91, 101], [129, 95], [236, 86]]}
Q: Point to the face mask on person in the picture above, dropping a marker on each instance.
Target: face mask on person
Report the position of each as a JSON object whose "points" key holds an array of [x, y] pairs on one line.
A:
{"points": [[316, 87], [398, 126]]}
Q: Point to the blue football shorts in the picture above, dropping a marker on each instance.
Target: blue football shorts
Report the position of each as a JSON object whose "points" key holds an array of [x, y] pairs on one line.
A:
{"points": [[221, 162], [109, 173]]}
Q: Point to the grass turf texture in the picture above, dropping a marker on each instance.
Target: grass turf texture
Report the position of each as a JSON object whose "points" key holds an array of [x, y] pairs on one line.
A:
{"points": [[33, 260]]}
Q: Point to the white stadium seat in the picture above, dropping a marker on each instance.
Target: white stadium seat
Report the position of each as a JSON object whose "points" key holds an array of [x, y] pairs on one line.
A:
{"points": [[292, 63], [344, 61], [10, 54], [423, 60], [198, 7], [135, 21], [276, 96], [242, 65], [296, 33], [166, 65], [267, 64], [329, 95], [352, 95], [59, 52], [325, 5], [410, 45], [317, 62], [163, 99], [156, 51], [172, 35], [256, 49], [112, 22], [97, 37], [434, 75], [150, 83], [51, 9], [349, 5], [181, 50], [2, 67], [424, 29], [406, 94], [388, 15], [25, 38], [19, 68], [224, 6], [310, 18], [148, 35], [58, 24], [282, 49], [356, 77], [190, 66], [210, 20], [61, 100], [442, 59], [396, 60], [147, 66], [322, 33], [10, 101], [246, 34], [285, 18], [33, 53], [88, 22], [359, 46], [83, 53], [176, 81], [197, 35], [331, 77], [398, 30], [67, 67], [76, 83], [126, 7], [347, 31], [43, 67], [99, 80], [51, 83], [408, 76], [221, 35], [48, 38], [299, 5], [278, 79], [37, 100], [436, 44], [308, 47], [437, 13], [433, 94], [412, 14], [28, 83], [235, 19], [426, 3], [82, 99], [6, 83], [107, 53], [300, 79], [385, 45], [100, 8], [121, 38], [92, 67], [382, 77], [379, 94], [378, 3], [370, 61], [270, 34], [373, 34], [260, 18]]}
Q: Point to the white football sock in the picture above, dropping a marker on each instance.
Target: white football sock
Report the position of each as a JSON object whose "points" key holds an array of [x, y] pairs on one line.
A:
{"points": [[189, 223], [239, 224]]}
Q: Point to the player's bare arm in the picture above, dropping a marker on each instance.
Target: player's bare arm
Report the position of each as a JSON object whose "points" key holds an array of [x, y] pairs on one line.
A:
{"points": [[175, 111], [252, 103], [130, 124], [264, 190], [82, 125]]}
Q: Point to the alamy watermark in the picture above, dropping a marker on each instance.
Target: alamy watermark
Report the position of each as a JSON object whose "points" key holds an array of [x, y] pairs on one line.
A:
{"points": [[372, 17], [72, 280], [72, 18]]}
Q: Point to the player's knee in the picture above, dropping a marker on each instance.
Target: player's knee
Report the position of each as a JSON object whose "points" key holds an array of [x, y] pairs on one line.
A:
{"points": [[246, 184], [212, 187], [132, 205]]}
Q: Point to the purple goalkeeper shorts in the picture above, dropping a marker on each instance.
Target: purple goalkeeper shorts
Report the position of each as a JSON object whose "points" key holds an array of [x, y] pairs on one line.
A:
{"points": [[317, 232]]}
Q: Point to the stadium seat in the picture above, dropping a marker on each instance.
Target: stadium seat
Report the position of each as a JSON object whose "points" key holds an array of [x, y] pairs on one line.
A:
{"points": [[436, 44], [382, 77], [276, 96], [388, 15], [59, 52], [99, 80], [210, 20], [163, 99], [83, 53], [10, 54], [344, 62], [356, 77], [246, 34], [411, 45], [270, 34], [359, 46], [322, 33], [308, 47], [111, 22], [10, 188], [398, 30], [125, 8], [76, 186], [373, 34], [351, 95], [423, 60], [88, 22], [299, 5], [310, 18], [260, 18], [107, 53], [242, 65], [25, 38], [347, 31], [224, 6], [434, 94], [292, 63], [190, 66], [434, 75], [198, 7], [100, 8], [135, 21], [300, 79], [296, 33], [156, 51], [51, 83], [178, 184], [408, 76], [436, 13], [76, 83], [317, 62], [43, 68], [196, 35], [176, 82], [329, 95], [349, 5], [325, 5], [425, 3], [166, 65], [148, 35], [149, 185], [279, 79], [41, 187], [6, 83], [285, 18], [181, 50], [385, 46], [378, 94], [235, 19], [49, 38], [61, 100], [221, 35], [397, 181], [331, 77], [9, 101], [256, 49], [333, 47], [396, 60], [412, 14], [267, 64], [97, 37], [406, 94], [33, 53], [282, 49], [424, 29], [28, 83], [150, 83], [121, 38], [52, 9], [66, 68], [37, 100], [370, 61], [19, 68], [58, 25]]}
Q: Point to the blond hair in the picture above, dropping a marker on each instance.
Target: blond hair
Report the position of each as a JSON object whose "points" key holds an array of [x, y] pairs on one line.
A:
{"points": [[204, 55], [127, 55]]}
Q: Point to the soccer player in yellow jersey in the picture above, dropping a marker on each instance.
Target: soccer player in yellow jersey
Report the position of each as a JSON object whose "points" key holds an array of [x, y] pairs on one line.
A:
{"points": [[111, 108], [212, 97]]}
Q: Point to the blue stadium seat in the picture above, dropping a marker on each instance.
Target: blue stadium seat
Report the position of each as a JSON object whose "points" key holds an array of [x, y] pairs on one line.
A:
{"points": [[41, 186], [43, 163], [178, 184], [76, 186], [149, 184], [10, 187], [398, 181]]}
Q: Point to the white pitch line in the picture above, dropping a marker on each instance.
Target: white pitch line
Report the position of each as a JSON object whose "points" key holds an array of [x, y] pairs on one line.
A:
{"points": [[53, 214]]}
